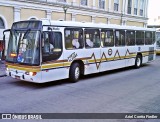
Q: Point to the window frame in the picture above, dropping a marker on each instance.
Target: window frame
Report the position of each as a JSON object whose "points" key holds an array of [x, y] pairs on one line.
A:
{"points": [[149, 38], [72, 37], [135, 7], [143, 37], [52, 54], [116, 5], [129, 9], [101, 5], [82, 3], [124, 37], [105, 30], [134, 37], [92, 41]]}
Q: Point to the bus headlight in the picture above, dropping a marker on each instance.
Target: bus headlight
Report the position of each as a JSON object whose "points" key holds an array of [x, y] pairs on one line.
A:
{"points": [[31, 73], [7, 69]]}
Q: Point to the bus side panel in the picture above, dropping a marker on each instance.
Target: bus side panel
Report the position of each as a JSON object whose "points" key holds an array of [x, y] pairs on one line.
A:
{"points": [[90, 58], [54, 74], [54, 70], [118, 56], [94, 62], [131, 53]]}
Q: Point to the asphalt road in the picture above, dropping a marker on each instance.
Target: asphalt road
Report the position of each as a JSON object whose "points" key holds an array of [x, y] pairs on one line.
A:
{"points": [[125, 90]]}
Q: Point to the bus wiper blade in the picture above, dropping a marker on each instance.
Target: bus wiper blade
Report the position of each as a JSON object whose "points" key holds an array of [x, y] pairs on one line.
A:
{"points": [[26, 33]]}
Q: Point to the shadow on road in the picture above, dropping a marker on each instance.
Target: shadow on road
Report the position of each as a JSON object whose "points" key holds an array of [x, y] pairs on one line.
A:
{"points": [[66, 81]]}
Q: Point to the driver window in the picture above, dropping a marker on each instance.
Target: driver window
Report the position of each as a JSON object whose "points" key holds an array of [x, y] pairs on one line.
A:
{"points": [[51, 46], [48, 44]]}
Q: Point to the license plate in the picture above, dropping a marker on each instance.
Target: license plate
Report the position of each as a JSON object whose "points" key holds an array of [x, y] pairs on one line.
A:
{"points": [[17, 77]]}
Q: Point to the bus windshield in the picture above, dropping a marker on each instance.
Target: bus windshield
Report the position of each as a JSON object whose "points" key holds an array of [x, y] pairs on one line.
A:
{"points": [[23, 47]]}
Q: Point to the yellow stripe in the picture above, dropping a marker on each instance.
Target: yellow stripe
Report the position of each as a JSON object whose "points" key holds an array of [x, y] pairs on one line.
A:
{"points": [[24, 69], [67, 63], [52, 65]]}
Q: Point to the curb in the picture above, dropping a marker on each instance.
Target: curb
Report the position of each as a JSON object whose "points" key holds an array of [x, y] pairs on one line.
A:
{"points": [[3, 75]]}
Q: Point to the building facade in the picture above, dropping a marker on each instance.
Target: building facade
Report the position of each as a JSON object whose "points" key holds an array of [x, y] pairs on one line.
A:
{"points": [[121, 12]]}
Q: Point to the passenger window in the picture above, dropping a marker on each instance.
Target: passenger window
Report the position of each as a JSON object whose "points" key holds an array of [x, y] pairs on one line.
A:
{"points": [[92, 38], [130, 38], [119, 37], [74, 38], [107, 37], [148, 38], [140, 37], [51, 46]]}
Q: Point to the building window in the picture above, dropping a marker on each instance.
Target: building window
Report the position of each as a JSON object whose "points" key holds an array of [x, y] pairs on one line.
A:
{"points": [[84, 2], [102, 4], [61, 0], [129, 6], [135, 7], [141, 7], [2, 24], [116, 5]]}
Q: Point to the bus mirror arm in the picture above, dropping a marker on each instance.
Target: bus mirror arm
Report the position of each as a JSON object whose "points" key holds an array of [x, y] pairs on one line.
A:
{"points": [[7, 30]]}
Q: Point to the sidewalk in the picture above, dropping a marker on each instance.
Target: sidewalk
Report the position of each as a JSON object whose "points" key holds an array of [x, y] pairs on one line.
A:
{"points": [[2, 69]]}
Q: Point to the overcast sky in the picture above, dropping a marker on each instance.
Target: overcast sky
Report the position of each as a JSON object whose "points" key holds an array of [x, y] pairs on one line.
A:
{"points": [[154, 9]]}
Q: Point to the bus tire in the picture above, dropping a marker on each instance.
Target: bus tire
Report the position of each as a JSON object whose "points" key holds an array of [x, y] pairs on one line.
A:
{"points": [[74, 73], [138, 61]]}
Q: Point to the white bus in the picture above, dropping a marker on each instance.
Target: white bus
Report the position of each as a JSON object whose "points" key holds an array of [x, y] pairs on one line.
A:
{"points": [[43, 50], [158, 42]]}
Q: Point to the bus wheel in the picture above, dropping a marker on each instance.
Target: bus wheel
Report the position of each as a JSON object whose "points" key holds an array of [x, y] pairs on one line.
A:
{"points": [[138, 61], [74, 73]]}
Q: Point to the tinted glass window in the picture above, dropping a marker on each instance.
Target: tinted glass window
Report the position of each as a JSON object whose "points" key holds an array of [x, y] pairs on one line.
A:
{"points": [[74, 38], [130, 38], [148, 38], [140, 37], [27, 24], [119, 37], [92, 38], [107, 37]]}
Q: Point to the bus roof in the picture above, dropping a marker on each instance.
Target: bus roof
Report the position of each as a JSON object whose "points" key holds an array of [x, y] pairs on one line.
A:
{"points": [[47, 22]]}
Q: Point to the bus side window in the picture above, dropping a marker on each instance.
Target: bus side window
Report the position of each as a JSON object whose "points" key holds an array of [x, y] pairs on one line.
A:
{"points": [[130, 38], [107, 37], [119, 37], [92, 38], [73, 38], [148, 37], [140, 37], [45, 43]]}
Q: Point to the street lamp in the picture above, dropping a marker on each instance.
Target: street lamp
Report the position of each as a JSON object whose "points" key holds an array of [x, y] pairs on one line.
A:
{"points": [[65, 8]]}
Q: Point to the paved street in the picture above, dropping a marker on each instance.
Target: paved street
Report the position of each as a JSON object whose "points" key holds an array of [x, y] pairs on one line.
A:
{"points": [[127, 90], [2, 69]]}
